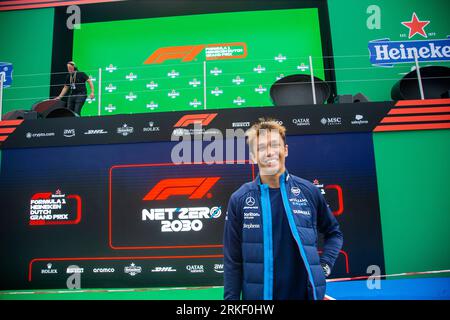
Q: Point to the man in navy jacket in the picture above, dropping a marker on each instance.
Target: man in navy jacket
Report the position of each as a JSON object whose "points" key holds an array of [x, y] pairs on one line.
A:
{"points": [[271, 228]]}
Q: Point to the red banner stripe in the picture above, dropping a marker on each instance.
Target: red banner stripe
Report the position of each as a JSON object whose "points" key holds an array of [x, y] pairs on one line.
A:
{"points": [[420, 110], [10, 123], [426, 102], [405, 127], [7, 130], [416, 118], [49, 4]]}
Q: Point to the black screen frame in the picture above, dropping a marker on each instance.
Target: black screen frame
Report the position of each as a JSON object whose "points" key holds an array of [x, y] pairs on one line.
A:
{"points": [[126, 10]]}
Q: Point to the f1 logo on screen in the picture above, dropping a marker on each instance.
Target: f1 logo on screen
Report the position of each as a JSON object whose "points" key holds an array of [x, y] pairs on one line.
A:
{"points": [[188, 218], [171, 206], [233, 50], [195, 188]]}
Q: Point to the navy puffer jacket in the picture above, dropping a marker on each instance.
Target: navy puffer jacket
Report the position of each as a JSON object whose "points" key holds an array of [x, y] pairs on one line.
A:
{"points": [[248, 248]]}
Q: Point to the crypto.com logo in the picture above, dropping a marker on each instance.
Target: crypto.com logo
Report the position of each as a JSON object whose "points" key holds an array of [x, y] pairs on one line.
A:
{"points": [[195, 188], [232, 50]]}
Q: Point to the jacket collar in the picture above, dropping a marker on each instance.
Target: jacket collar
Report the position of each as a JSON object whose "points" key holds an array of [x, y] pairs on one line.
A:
{"points": [[284, 177]]}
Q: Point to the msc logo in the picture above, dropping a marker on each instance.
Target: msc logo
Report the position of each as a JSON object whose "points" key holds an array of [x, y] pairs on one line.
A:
{"points": [[234, 50], [202, 118], [195, 188]]}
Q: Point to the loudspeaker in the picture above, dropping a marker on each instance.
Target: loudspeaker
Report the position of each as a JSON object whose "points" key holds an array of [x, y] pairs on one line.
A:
{"points": [[14, 115], [58, 112], [435, 83], [45, 105], [343, 98], [53, 108], [348, 98], [359, 97], [296, 89], [30, 115], [21, 115]]}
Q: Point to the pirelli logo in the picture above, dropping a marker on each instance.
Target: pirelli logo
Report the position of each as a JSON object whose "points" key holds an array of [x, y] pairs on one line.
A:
{"points": [[194, 188], [221, 51]]}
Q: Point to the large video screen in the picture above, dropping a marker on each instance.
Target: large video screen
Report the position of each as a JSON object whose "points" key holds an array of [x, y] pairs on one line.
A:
{"points": [[220, 60], [123, 215]]}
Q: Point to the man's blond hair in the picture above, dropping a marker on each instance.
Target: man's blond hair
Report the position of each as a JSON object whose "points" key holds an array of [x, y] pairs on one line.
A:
{"points": [[265, 124]]}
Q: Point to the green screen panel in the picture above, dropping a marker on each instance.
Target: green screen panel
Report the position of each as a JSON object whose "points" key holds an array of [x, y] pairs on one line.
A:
{"points": [[27, 43], [353, 26], [277, 42], [413, 173]]}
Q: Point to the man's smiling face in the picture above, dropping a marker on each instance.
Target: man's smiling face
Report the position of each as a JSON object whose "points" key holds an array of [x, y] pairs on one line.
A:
{"points": [[269, 152]]}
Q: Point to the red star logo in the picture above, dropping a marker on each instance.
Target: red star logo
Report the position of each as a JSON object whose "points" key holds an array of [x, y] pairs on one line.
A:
{"points": [[416, 26]]}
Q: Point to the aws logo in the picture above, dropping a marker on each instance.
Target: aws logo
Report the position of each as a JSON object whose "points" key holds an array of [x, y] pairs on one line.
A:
{"points": [[232, 50], [193, 188]]}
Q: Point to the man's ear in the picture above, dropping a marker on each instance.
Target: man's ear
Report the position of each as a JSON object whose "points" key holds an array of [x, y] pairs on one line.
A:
{"points": [[286, 149]]}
